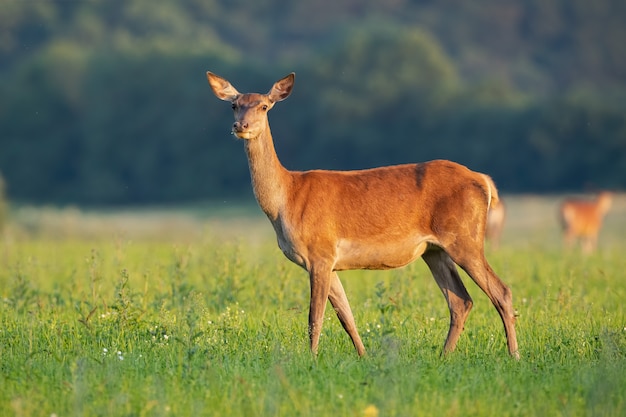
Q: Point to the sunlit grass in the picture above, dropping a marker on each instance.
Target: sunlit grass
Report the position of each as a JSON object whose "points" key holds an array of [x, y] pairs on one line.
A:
{"points": [[123, 322]]}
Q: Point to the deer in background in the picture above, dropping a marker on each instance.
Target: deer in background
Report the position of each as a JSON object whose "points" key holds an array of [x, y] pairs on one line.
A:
{"points": [[582, 219], [495, 223], [380, 218]]}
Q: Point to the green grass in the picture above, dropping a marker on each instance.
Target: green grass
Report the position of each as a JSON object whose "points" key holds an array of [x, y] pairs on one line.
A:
{"points": [[118, 323]]}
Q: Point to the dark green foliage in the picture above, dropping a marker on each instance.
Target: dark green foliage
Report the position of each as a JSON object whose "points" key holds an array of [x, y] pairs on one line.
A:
{"points": [[107, 102], [4, 205]]}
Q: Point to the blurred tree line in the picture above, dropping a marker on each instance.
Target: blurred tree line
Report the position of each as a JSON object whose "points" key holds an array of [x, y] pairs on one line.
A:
{"points": [[106, 101]]}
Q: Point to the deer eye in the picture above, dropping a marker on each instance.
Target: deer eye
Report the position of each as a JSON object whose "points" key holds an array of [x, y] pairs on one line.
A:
{"points": [[264, 107], [234, 106]]}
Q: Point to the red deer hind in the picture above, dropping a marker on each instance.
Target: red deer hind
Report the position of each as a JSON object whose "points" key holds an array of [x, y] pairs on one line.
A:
{"points": [[583, 219], [381, 218]]}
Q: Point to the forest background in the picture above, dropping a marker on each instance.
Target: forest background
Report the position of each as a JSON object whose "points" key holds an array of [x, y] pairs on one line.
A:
{"points": [[105, 102]]}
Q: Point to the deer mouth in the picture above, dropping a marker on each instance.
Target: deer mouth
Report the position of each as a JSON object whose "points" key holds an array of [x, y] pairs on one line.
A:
{"points": [[242, 134]]}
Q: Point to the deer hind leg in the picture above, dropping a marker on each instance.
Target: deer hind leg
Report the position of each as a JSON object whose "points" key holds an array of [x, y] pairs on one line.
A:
{"points": [[339, 301], [569, 237], [500, 295], [459, 301], [589, 244]]}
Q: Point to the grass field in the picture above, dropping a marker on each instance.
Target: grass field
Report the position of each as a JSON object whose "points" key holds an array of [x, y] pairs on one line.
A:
{"points": [[196, 312]]}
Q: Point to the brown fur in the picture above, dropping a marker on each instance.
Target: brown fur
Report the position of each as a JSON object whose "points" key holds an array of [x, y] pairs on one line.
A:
{"points": [[582, 219], [328, 221], [495, 223]]}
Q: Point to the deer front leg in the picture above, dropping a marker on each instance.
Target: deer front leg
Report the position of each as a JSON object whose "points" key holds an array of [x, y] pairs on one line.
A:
{"points": [[339, 301], [320, 278]]}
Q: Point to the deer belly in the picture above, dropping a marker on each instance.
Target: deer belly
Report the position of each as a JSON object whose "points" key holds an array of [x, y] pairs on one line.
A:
{"points": [[354, 254]]}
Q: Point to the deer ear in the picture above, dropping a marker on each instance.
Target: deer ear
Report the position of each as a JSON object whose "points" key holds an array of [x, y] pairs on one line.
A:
{"points": [[282, 88], [221, 87]]}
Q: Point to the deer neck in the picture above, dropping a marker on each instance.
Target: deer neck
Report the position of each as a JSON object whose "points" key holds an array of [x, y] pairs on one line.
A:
{"points": [[604, 204], [269, 177]]}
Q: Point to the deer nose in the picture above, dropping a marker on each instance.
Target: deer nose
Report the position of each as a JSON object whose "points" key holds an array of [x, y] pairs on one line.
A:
{"points": [[239, 126]]}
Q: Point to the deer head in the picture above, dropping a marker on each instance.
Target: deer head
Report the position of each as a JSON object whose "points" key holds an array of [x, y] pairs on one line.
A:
{"points": [[250, 109]]}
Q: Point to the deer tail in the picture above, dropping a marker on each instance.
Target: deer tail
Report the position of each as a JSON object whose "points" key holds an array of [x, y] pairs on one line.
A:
{"points": [[492, 192]]}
